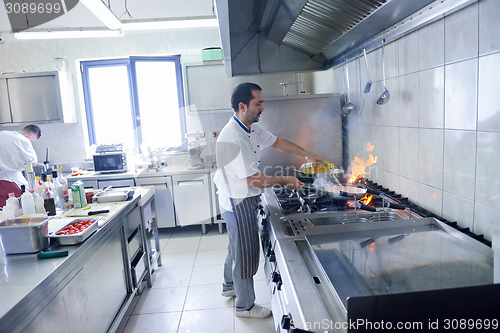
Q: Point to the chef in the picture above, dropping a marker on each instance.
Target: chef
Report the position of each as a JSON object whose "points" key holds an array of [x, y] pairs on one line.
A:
{"points": [[16, 151], [239, 183]]}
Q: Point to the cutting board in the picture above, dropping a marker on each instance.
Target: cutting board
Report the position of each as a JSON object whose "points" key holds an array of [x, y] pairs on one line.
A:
{"points": [[113, 207]]}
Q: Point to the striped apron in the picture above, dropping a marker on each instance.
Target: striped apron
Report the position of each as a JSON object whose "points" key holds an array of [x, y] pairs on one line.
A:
{"points": [[245, 211]]}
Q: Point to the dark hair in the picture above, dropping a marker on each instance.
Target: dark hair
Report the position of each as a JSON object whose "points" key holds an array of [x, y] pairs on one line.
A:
{"points": [[32, 129], [243, 93]]}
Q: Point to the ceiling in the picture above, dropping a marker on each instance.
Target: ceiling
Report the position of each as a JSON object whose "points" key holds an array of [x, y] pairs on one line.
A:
{"points": [[81, 17]]}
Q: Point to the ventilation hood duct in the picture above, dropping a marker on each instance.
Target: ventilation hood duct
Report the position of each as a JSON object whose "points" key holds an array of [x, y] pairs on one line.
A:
{"points": [[271, 36]]}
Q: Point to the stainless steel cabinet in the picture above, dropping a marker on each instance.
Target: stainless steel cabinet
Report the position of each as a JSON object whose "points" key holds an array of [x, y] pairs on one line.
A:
{"points": [[192, 199], [42, 97], [116, 183], [163, 199]]}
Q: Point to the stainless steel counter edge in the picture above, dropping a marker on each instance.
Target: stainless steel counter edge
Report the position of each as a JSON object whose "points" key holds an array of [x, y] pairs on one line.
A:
{"points": [[168, 171], [19, 315]]}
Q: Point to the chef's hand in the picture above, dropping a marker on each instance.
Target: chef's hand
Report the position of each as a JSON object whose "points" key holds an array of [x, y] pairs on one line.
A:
{"points": [[291, 182], [313, 158]]}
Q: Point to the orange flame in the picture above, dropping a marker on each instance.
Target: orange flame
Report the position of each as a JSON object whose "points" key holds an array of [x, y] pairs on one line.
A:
{"points": [[359, 165]]}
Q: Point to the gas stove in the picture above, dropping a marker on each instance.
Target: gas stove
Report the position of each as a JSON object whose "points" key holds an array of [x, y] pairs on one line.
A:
{"points": [[333, 261]]}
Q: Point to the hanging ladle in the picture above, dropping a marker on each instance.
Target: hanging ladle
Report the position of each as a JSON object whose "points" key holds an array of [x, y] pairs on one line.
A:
{"points": [[369, 83], [348, 107], [385, 96]]}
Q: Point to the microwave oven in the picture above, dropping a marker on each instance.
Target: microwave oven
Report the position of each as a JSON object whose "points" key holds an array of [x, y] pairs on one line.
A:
{"points": [[110, 162]]}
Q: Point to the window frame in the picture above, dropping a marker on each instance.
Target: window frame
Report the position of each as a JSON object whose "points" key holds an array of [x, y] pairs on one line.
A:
{"points": [[130, 63]]}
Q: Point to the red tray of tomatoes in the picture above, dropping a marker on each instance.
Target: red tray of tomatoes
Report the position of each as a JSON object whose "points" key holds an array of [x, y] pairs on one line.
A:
{"points": [[76, 231]]}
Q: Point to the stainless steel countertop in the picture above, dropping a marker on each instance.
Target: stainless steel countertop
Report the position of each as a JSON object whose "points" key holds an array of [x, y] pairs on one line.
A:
{"points": [[167, 171], [25, 279]]}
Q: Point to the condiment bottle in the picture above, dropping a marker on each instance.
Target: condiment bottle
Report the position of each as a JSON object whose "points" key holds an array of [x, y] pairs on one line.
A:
{"points": [[39, 205], [64, 183], [28, 204], [58, 190], [48, 196], [12, 201]]}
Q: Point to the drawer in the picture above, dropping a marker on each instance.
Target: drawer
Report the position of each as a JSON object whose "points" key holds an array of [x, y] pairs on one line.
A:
{"points": [[138, 268], [134, 243]]}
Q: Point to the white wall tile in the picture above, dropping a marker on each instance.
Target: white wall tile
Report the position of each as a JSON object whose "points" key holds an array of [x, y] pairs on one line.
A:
{"points": [[195, 41], [430, 157], [485, 220], [139, 44], [461, 37], [461, 95], [459, 172], [84, 48], [456, 208], [66, 49], [158, 43], [408, 188], [47, 52], [488, 95], [430, 198], [391, 144], [30, 54], [408, 53], [489, 26], [120, 46], [431, 98], [2, 63], [391, 59], [431, 45], [177, 42], [12, 55], [211, 37], [103, 47], [408, 100], [391, 180], [487, 175], [408, 153]]}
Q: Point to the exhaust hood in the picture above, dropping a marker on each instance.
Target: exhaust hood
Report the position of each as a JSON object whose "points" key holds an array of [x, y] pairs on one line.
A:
{"points": [[271, 36]]}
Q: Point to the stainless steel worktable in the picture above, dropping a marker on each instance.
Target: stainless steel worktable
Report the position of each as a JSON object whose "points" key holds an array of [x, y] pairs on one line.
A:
{"points": [[28, 285]]}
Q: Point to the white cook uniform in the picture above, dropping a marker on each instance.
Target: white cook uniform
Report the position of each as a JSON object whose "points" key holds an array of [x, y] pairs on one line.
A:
{"points": [[15, 151], [238, 152]]}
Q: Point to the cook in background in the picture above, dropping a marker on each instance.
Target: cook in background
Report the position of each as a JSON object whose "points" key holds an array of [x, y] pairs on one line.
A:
{"points": [[16, 150], [239, 183]]}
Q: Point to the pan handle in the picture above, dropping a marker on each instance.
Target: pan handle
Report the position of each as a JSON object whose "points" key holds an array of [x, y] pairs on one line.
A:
{"points": [[394, 205], [371, 191], [366, 207]]}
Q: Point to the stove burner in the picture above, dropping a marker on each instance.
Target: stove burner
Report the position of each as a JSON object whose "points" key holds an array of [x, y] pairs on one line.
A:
{"points": [[306, 200]]}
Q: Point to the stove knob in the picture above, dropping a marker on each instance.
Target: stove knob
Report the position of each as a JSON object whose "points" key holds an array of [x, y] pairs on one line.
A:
{"points": [[269, 252], [286, 322], [276, 277], [272, 258]]}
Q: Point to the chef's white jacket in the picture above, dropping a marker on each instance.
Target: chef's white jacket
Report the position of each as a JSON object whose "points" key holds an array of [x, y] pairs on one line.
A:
{"points": [[238, 153], [15, 151]]}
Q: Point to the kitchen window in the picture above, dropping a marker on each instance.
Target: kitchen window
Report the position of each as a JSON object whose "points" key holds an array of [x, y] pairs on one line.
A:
{"points": [[137, 101]]}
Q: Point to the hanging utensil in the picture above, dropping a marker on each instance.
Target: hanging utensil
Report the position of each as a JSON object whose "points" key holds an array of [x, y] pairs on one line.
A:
{"points": [[385, 96], [348, 107], [369, 83]]}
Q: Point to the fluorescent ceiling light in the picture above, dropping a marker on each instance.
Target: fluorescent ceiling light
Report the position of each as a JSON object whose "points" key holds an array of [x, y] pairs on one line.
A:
{"points": [[169, 24], [67, 34], [103, 13]]}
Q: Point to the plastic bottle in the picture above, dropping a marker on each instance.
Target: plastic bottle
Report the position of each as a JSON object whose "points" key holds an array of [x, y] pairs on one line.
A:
{"points": [[48, 196], [28, 203], [8, 212], [39, 205], [64, 183], [12, 201], [38, 186], [58, 190]]}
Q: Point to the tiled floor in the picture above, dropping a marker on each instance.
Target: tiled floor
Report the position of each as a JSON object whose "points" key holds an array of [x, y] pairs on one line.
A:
{"points": [[185, 296]]}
